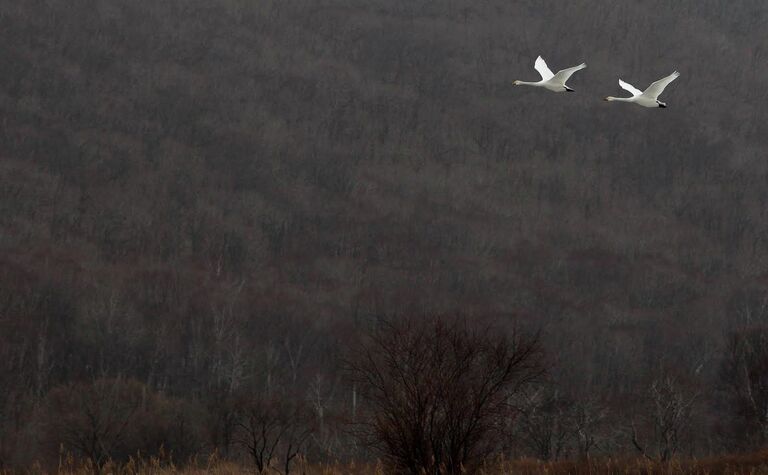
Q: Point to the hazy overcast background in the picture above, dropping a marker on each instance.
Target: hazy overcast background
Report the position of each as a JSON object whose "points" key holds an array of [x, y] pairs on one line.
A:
{"points": [[215, 196]]}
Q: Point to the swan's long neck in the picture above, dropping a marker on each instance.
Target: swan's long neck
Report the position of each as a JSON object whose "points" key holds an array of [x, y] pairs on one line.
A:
{"points": [[526, 83], [620, 99]]}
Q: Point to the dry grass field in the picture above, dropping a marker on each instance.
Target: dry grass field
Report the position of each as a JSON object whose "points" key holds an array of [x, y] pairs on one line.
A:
{"points": [[752, 463]]}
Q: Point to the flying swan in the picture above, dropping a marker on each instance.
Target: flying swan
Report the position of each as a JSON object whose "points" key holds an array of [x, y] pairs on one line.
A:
{"points": [[649, 97], [553, 82]]}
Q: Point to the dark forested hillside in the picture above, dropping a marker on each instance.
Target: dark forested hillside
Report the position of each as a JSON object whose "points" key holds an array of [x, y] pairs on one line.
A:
{"points": [[205, 198]]}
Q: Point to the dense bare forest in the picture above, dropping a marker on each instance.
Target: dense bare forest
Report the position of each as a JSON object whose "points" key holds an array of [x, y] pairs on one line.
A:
{"points": [[207, 207]]}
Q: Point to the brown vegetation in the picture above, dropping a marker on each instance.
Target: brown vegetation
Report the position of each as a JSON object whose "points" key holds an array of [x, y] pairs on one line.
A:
{"points": [[438, 395], [746, 464]]}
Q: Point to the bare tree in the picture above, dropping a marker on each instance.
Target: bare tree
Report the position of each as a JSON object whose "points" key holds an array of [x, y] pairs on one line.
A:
{"points": [[669, 415], [320, 397], [435, 391], [222, 420], [745, 374], [588, 418], [93, 419], [300, 426], [272, 431], [545, 422], [116, 418]]}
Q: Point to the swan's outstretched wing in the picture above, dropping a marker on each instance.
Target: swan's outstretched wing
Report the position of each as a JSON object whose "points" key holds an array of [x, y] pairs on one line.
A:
{"points": [[629, 87], [566, 73], [656, 88], [542, 68]]}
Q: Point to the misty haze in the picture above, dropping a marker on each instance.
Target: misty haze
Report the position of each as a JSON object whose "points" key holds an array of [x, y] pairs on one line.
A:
{"points": [[350, 237]]}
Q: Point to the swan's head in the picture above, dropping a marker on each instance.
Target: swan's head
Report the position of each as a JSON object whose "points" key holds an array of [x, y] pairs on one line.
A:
{"points": [[516, 83], [662, 104], [609, 98]]}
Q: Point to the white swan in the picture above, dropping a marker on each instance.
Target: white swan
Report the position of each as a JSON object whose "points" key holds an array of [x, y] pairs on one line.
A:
{"points": [[649, 97], [553, 82]]}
